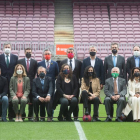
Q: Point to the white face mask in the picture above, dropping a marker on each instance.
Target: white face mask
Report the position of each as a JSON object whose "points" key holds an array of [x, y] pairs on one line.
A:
{"points": [[7, 50], [19, 71], [136, 53]]}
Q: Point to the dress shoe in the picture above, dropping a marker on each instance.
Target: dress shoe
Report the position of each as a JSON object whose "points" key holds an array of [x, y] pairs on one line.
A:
{"points": [[95, 119], [11, 120], [118, 120], [49, 119], [68, 118], [60, 118], [36, 119], [4, 120], [108, 119], [42, 119], [86, 111], [76, 119], [31, 119]]}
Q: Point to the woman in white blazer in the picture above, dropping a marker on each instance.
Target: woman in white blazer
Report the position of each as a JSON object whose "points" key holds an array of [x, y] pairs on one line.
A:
{"points": [[133, 95]]}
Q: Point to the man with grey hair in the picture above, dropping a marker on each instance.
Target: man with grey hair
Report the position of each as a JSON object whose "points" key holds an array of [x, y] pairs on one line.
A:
{"points": [[42, 91], [8, 61], [52, 70], [115, 91], [96, 62]]}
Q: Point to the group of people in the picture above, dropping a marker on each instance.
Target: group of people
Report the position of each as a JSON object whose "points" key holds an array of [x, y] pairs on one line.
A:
{"points": [[48, 83]]}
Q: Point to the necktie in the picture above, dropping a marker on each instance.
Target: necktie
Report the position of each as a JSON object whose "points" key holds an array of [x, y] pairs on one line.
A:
{"points": [[48, 66], [114, 61], [115, 86], [7, 61], [71, 63], [27, 65], [42, 83]]}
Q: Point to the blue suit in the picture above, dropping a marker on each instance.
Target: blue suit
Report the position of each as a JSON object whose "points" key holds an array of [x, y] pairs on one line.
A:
{"points": [[98, 67], [53, 70]]}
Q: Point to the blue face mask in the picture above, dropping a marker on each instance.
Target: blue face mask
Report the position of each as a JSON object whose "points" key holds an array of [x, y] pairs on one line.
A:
{"points": [[66, 71]]}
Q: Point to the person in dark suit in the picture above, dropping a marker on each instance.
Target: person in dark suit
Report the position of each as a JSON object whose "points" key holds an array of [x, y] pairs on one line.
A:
{"points": [[52, 70], [30, 66], [42, 90], [114, 60], [3, 96], [115, 91], [76, 68], [133, 61], [95, 62], [8, 62], [66, 92]]}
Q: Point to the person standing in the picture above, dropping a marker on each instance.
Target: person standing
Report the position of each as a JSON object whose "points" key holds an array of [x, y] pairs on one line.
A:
{"points": [[75, 65], [8, 61], [30, 66]]}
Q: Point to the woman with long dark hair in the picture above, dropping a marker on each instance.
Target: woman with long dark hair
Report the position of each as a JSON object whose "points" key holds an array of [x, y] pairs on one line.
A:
{"points": [[133, 95], [66, 92], [90, 87]]}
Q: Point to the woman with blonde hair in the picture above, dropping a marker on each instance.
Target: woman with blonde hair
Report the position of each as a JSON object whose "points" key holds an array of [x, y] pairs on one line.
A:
{"points": [[19, 90]]}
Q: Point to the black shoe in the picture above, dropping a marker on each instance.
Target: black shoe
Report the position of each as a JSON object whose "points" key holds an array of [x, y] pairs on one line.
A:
{"points": [[42, 119], [108, 119], [68, 118], [31, 119], [36, 119], [76, 119], [118, 120], [95, 119], [4, 120], [60, 118], [86, 111], [11, 120]]}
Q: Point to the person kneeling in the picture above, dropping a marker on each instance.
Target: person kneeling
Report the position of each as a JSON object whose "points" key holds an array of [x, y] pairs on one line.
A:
{"points": [[42, 90], [115, 91], [90, 88], [19, 90], [67, 88]]}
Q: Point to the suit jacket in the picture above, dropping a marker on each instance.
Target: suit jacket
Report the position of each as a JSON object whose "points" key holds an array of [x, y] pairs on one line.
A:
{"points": [[8, 72], [60, 87], [32, 69], [13, 87], [37, 87], [77, 68], [98, 67], [109, 87], [108, 65], [53, 70], [3, 86], [130, 65], [95, 87]]}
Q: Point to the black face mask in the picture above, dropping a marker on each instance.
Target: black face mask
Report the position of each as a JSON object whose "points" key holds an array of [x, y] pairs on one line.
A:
{"points": [[90, 74], [28, 55], [114, 51], [92, 53], [136, 74], [42, 75]]}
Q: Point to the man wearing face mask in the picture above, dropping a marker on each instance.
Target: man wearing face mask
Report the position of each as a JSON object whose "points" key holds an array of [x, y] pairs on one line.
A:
{"points": [[114, 60], [42, 91], [115, 91], [96, 62], [76, 69], [52, 70], [8, 61], [30, 66], [133, 61]]}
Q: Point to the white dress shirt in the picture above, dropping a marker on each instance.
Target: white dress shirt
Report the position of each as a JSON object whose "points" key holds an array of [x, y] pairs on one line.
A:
{"points": [[6, 57], [26, 61], [92, 61], [73, 63], [46, 62]]}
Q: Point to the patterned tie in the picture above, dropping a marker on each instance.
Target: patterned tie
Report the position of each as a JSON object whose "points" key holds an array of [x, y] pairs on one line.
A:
{"points": [[71, 63], [7, 61], [27, 65], [115, 86], [114, 61], [42, 83], [48, 66]]}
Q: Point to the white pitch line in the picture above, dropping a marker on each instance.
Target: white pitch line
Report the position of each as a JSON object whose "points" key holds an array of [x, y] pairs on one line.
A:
{"points": [[80, 130]]}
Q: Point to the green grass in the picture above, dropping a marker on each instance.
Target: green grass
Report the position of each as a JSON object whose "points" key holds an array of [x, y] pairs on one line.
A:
{"points": [[67, 131]]}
